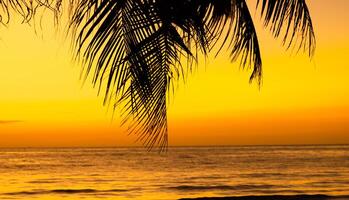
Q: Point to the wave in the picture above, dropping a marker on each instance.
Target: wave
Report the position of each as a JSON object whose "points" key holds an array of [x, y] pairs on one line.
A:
{"points": [[65, 191], [274, 197], [222, 187]]}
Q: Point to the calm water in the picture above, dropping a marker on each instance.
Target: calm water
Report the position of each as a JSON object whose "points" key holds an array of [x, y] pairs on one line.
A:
{"points": [[133, 173]]}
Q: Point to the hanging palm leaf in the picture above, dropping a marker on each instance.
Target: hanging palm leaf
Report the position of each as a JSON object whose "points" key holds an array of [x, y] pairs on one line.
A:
{"points": [[135, 48]]}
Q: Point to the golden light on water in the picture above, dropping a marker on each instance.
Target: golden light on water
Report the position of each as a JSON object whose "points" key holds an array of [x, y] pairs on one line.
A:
{"points": [[44, 103]]}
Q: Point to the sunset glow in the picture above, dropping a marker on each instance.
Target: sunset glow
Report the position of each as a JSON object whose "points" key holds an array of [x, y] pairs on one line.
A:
{"points": [[302, 101]]}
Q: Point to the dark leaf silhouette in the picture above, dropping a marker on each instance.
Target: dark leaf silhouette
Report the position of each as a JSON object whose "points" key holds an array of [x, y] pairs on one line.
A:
{"points": [[135, 49]]}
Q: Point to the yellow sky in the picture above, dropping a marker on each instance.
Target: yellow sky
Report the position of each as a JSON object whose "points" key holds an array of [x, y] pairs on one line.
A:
{"points": [[302, 101]]}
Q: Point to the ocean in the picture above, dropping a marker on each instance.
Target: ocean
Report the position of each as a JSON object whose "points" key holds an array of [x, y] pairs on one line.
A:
{"points": [[182, 172]]}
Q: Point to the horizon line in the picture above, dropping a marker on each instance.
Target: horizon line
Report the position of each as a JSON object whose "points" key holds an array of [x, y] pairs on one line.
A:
{"points": [[170, 146]]}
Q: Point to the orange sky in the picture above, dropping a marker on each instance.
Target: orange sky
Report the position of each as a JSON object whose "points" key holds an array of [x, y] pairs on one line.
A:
{"points": [[302, 101]]}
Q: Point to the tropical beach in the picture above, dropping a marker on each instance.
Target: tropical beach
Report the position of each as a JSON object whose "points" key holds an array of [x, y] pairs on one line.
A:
{"points": [[174, 100]]}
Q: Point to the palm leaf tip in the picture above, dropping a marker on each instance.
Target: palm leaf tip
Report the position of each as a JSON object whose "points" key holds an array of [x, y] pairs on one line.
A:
{"points": [[246, 42], [231, 22], [290, 19], [27, 9]]}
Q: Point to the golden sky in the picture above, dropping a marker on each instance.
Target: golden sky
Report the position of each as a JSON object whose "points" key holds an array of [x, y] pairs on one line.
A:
{"points": [[44, 103]]}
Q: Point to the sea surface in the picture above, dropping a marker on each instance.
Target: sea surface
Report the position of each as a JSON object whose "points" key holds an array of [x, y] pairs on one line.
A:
{"points": [[182, 172]]}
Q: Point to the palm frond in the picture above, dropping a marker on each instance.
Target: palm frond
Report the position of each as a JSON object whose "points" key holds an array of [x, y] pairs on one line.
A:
{"points": [[240, 36], [134, 47], [26, 8], [292, 19]]}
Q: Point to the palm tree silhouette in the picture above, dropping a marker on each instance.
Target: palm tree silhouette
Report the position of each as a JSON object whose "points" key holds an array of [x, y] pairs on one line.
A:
{"points": [[135, 49]]}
